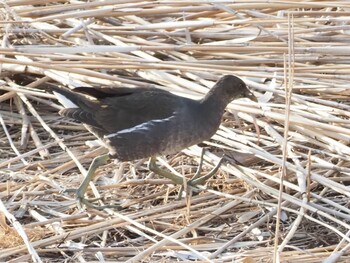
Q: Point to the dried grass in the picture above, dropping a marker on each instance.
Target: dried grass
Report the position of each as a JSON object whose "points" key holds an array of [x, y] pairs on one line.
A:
{"points": [[282, 193]]}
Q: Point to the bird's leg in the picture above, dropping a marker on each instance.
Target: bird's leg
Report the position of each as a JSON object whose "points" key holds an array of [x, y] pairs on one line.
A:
{"points": [[196, 180], [152, 166], [98, 161], [200, 165], [196, 175]]}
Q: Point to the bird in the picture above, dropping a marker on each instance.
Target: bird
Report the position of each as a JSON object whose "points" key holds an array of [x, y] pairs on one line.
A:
{"points": [[146, 122]]}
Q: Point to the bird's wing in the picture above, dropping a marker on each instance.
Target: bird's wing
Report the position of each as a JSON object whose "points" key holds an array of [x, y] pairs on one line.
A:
{"points": [[126, 112], [112, 109]]}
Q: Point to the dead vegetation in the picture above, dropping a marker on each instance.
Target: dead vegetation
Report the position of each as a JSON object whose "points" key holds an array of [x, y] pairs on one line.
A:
{"points": [[282, 191]]}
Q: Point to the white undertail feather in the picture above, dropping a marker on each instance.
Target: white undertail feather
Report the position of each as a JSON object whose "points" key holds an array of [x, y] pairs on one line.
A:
{"points": [[67, 103]]}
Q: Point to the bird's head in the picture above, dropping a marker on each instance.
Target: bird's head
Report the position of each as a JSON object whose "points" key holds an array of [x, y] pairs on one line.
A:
{"points": [[234, 88]]}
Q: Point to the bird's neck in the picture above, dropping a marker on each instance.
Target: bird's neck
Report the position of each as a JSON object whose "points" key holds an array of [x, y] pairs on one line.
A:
{"points": [[215, 101]]}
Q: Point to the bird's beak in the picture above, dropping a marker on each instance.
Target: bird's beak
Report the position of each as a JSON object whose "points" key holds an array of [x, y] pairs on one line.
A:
{"points": [[251, 96]]}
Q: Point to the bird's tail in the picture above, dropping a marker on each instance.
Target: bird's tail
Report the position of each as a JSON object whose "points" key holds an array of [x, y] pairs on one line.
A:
{"points": [[71, 99]]}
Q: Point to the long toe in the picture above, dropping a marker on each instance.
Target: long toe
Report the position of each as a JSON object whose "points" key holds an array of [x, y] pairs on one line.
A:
{"points": [[84, 202], [81, 200], [199, 180]]}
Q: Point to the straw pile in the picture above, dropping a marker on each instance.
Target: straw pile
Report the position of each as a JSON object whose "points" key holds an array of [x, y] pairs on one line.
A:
{"points": [[282, 192]]}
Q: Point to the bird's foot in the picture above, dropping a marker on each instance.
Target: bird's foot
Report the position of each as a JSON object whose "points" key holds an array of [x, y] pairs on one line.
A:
{"points": [[80, 192], [197, 179], [82, 201], [191, 184], [89, 202]]}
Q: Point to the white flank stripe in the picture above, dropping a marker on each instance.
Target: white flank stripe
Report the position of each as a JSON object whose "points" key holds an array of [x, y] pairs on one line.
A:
{"points": [[142, 126]]}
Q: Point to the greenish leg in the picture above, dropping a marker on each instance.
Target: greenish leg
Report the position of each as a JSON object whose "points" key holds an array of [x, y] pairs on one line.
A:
{"points": [[152, 166], [196, 180], [98, 161], [196, 175], [200, 180]]}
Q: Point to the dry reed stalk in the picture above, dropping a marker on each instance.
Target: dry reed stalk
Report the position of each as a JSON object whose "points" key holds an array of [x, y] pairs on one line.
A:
{"points": [[183, 47]]}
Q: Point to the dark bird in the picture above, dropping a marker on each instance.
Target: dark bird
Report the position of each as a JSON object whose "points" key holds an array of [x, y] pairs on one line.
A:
{"points": [[135, 123]]}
